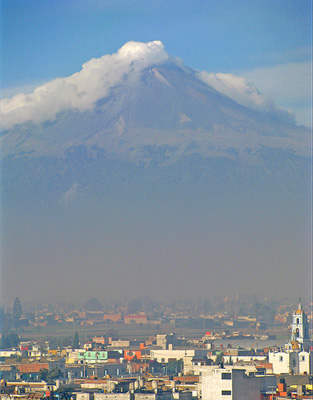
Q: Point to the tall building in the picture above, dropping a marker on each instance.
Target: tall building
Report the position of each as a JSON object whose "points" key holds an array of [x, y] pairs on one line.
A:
{"points": [[300, 338]]}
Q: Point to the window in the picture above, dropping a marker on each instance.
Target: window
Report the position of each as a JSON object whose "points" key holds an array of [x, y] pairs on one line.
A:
{"points": [[226, 392], [281, 358], [298, 321], [303, 358], [226, 375]]}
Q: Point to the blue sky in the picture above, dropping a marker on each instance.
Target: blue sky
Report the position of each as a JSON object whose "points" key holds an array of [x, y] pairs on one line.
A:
{"points": [[44, 39]]}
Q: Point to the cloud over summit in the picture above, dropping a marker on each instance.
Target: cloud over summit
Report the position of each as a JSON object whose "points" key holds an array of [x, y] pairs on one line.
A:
{"points": [[82, 89], [237, 88]]}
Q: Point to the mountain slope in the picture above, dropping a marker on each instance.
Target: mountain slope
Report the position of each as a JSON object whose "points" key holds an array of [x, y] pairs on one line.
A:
{"points": [[157, 104]]}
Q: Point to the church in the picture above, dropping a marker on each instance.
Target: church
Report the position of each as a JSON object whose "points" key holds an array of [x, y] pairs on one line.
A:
{"points": [[300, 339], [297, 357]]}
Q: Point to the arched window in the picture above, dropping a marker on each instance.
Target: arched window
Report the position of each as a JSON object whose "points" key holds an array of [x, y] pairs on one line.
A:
{"points": [[297, 332], [298, 321]]}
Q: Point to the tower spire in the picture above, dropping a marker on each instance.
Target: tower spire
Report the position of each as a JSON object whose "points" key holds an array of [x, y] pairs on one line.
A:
{"points": [[300, 328]]}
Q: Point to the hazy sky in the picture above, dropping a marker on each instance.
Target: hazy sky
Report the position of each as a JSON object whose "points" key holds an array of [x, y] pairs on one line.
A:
{"points": [[163, 241], [267, 41]]}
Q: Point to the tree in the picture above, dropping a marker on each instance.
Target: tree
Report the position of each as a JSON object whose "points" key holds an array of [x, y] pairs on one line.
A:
{"points": [[76, 340], [174, 367], [55, 373], [51, 375], [219, 359]]}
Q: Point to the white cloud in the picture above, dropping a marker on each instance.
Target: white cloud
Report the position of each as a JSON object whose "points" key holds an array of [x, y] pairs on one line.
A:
{"points": [[289, 84], [238, 89], [81, 90]]}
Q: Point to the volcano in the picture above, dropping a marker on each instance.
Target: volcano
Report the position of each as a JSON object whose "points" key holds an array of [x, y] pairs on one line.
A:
{"points": [[137, 145], [141, 102], [141, 115]]}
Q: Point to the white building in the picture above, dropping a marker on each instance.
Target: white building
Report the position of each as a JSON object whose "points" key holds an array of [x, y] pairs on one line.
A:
{"points": [[297, 358], [284, 362], [163, 356], [233, 384], [166, 341], [300, 330], [10, 353], [291, 362], [305, 362]]}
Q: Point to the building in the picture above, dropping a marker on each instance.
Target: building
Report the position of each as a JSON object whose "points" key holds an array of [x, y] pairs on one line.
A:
{"points": [[112, 396], [234, 384], [120, 343], [112, 317], [140, 318], [305, 362], [91, 357], [284, 362], [236, 355], [300, 338], [297, 358], [165, 341], [163, 356]]}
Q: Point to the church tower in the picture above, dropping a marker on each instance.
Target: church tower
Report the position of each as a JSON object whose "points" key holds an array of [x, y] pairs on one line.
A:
{"points": [[300, 338]]}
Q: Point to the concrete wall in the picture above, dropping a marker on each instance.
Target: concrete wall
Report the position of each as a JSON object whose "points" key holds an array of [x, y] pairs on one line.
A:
{"points": [[305, 362], [212, 384], [245, 387], [280, 361]]}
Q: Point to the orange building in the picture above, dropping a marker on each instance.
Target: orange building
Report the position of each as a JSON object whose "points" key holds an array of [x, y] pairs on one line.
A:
{"points": [[31, 368], [131, 354], [99, 340], [112, 317], [136, 318]]}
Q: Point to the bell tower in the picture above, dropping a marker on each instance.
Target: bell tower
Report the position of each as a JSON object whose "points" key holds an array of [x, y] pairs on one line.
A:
{"points": [[300, 329]]}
